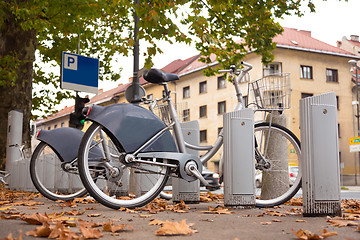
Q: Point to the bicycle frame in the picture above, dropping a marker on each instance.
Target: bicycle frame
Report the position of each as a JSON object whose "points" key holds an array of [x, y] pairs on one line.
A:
{"points": [[211, 149]]}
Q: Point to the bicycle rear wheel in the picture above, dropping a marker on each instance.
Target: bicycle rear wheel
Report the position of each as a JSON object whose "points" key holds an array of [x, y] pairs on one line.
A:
{"points": [[278, 166], [130, 185], [50, 177]]}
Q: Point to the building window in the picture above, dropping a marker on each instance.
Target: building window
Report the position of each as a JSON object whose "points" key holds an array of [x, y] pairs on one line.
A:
{"points": [[339, 136], [150, 97], [305, 95], [186, 92], [331, 75], [272, 69], [222, 107], [246, 100], [55, 126], [203, 87], [221, 82], [186, 115], [203, 111], [219, 130], [62, 124], [203, 136], [306, 72], [337, 102], [49, 128]]}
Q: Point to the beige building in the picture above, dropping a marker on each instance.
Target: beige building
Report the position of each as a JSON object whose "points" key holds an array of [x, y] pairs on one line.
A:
{"points": [[314, 66]]}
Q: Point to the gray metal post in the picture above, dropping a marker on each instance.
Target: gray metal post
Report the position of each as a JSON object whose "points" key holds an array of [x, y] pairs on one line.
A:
{"points": [[189, 192], [14, 141], [239, 165], [320, 155]]}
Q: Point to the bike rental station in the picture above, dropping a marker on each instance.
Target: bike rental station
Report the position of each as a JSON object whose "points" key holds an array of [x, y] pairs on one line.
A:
{"points": [[120, 171]]}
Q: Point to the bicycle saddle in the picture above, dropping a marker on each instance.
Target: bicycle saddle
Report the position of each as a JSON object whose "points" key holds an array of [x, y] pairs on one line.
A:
{"points": [[155, 75]]}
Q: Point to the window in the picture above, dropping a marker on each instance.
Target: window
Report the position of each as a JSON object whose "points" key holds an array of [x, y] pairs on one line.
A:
{"points": [[337, 102], [272, 69], [221, 82], [246, 100], [306, 72], [203, 135], [339, 131], [150, 97], [222, 107], [49, 128], [203, 111], [62, 124], [305, 95], [55, 126], [219, 130], [186, 115], [331, 75], [186, 92], [202, 87]]}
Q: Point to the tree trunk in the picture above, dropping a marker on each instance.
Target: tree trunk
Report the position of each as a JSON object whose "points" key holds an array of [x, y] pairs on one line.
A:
{"points": [[276, 180], [14, 41]]}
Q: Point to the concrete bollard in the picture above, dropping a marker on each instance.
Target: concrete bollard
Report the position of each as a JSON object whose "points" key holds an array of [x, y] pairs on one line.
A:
{"points": [[320, 155], [189, 192], [239, 165]]}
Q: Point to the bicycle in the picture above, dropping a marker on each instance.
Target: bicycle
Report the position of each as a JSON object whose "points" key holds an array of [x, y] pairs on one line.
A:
{"points": [[138, 153]]}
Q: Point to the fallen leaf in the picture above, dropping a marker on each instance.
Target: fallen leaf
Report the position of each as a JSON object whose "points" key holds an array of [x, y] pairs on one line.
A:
{"points": [[156, 222], [174, 228], [340, 223], [43, 231], [75, 212], [276, 220], [94, 215], [145, 216], [300, 220], [10, 237], [36, 218], [110, 227], [218, 210], [90, 233], [307, 235], [265, 223]]}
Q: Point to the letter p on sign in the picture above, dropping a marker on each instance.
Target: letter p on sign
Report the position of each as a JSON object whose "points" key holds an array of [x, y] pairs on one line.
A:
{"points": [[70, 62]]}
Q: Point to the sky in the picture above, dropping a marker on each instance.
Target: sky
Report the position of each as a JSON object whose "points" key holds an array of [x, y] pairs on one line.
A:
{"points": [[332, 21]]}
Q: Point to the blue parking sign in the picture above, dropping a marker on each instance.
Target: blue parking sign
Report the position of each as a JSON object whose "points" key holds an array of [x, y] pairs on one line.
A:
{"points": [[79, 73]]}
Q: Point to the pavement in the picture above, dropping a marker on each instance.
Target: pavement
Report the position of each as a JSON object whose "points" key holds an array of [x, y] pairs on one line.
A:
{"points": [[206, 220]]}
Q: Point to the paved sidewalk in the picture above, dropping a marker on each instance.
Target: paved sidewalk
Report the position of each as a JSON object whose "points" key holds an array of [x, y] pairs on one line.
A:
{"points": [[271, 223]]}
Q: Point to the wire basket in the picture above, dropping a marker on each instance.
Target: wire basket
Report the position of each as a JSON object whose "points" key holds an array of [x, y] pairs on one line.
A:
{"points": [[182, 110], [272, 92]]}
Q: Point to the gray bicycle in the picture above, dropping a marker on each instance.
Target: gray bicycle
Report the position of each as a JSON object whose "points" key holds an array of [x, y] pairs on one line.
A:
{"points": [[139, 152]]}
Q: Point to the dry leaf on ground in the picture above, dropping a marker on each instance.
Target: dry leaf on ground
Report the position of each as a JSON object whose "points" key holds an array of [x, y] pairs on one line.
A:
{"points": [[27, 203], [36, 218], [156, 222], [110, 227], [10, 237], [43, 231], [174, 228], [307, 235], [218, 210], [340, 223], [90, 233]]}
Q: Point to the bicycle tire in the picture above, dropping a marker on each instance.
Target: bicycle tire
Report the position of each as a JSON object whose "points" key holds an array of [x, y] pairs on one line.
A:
{"points": [[68, 185], [117, 192], [292, 152]]}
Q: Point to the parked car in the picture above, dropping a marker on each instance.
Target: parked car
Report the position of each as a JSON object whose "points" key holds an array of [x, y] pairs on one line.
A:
{"points": [[293, 172], [211, 177]]}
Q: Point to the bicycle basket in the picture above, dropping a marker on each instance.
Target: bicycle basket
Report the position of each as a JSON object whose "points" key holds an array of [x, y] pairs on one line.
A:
{"points": [[162, 111], [272, 92]]}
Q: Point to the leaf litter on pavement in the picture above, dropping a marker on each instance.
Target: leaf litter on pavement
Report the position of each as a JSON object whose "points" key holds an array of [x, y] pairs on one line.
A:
{"points": [[57, 225]]}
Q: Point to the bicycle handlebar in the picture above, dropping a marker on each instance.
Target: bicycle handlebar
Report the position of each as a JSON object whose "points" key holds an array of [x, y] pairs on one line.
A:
{"points": [[237, 71]]}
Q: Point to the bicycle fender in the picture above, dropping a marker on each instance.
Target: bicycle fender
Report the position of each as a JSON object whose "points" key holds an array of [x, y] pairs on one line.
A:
{"points": [[133, 126], [64, 141]]}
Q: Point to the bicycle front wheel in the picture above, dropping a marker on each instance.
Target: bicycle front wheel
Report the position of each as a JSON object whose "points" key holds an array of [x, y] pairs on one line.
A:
{"points": [[278, 166], [112, 181], [51, 178]]}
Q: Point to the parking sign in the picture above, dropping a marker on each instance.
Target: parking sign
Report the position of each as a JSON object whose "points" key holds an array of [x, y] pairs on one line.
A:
{"points": [[79, 73]]}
